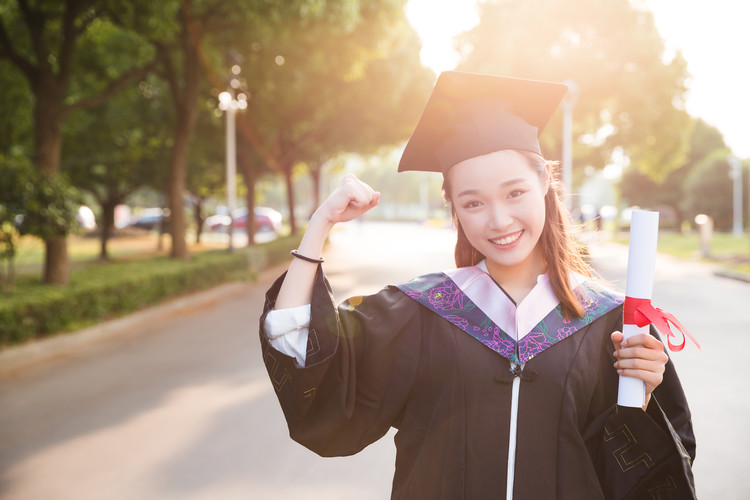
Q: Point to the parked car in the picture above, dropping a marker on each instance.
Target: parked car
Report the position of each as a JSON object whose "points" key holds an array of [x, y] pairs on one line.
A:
{"points": [[266, 219], [150, 218], [85, 218]]}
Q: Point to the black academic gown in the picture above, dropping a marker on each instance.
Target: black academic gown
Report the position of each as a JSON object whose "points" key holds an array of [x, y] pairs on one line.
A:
{"points": [[394, 359]]}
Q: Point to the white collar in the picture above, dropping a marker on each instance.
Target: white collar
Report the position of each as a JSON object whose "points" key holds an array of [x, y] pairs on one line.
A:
{"points": [[517, 320]]}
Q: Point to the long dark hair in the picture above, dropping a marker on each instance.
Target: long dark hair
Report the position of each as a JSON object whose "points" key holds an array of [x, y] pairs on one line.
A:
{"points": [[562, 253]]}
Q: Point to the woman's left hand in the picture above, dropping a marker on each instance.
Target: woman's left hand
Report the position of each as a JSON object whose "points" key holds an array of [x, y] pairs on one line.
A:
{"points": [[641, 356]]}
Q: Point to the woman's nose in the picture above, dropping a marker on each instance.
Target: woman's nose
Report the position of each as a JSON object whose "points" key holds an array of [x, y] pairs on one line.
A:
{"points": [[499, 217]]}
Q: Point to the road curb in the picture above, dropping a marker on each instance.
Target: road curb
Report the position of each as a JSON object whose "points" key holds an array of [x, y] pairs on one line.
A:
{"points": [[16, 357], [735, 275]]}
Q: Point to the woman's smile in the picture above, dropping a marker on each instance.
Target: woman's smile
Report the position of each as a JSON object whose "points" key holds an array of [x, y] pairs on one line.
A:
{"points": [[507, 241]]}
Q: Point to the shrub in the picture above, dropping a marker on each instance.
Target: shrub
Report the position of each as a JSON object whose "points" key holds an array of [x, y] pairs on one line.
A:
{"points": [[106, 291]]}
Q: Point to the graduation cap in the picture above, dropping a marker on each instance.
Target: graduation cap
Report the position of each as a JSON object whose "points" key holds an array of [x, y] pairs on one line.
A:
{"points": [[469, 114]]}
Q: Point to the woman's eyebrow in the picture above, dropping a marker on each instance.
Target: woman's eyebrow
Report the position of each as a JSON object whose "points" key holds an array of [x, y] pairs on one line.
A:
{"points": [[474, 191]]}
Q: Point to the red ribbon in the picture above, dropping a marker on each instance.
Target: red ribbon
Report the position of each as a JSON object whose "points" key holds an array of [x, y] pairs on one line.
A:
{"points": [[640, 312]]}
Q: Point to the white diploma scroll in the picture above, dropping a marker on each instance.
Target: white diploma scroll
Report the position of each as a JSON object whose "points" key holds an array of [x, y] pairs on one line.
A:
{"points": [[644, 230]]}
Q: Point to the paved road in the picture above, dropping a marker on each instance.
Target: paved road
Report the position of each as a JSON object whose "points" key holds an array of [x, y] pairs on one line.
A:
{"points": [[717, 312], [178, 406]]}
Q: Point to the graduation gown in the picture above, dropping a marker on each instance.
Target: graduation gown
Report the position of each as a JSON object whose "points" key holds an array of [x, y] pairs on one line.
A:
{"points": [[485, 395]]}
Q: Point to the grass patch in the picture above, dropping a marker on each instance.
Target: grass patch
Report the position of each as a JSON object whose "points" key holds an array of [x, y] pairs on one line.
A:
{"points": [[726, 249], [84, 250], [101, 291]]}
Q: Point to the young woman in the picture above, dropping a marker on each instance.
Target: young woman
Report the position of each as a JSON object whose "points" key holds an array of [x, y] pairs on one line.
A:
{"points": [[500, 375]]}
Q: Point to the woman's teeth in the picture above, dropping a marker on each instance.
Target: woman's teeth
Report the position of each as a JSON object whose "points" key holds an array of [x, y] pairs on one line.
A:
{"points": [[507, 240]]}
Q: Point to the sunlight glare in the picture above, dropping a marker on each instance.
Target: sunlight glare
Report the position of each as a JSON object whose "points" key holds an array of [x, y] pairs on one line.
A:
{"points": [[437, 22]]}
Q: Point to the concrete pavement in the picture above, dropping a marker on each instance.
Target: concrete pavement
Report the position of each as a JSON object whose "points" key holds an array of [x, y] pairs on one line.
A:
{"points": [[175, 403]]}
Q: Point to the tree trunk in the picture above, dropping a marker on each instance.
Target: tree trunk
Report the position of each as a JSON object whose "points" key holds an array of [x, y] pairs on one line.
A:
{"points": [[250, 202], [56, 262], [315, 173], [186, 103], [198, 218], [679, 218], [108, 223], [48, 119], [176, 190], [162, 229], [250, 173], [290, 198], [178, 171]]}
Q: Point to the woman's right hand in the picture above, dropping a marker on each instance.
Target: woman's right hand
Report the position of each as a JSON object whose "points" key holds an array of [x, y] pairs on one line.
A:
{"points": [[348, 201]]}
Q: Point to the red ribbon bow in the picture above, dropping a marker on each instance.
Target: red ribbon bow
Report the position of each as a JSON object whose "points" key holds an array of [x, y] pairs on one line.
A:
{"points": [[640, 312]]}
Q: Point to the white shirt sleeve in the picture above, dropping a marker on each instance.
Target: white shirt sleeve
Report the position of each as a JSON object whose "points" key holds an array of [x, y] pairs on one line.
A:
{"points": [[287, 329]]}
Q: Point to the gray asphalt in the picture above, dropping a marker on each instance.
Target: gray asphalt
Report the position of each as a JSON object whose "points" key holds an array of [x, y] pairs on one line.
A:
{"points": [[175, 403]]}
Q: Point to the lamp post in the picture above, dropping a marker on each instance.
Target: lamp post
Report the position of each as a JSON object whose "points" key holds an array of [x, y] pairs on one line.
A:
{"points": [[229, 104], [735, 174], [568, 104]]}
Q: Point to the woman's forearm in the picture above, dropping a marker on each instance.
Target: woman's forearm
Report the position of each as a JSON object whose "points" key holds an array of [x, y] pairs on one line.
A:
{"points": [[296, 290], [349, 200]]}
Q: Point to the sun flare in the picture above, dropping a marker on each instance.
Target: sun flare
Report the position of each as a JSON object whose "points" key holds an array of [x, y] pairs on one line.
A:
{"points": [[437, 22]]}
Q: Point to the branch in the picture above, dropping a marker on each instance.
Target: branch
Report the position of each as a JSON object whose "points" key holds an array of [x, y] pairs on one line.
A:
{"points": [[35, 23], [169, 74], [114, 87], [69, 33], [9, 51]]}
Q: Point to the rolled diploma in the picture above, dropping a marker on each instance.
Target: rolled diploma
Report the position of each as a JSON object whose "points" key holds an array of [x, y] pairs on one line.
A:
{"points": [[644, 230]]}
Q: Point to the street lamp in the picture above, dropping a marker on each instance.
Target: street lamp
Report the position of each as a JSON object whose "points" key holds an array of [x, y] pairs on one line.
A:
{"points": [[568, 104], [230, 104], [735, 174]]}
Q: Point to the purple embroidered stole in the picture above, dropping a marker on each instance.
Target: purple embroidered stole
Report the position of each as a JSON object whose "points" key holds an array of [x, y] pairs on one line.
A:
{"points": [[440, 293]]}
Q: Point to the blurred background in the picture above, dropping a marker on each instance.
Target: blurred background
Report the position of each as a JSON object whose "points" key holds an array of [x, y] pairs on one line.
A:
{"points": [[116, 117], [137, 138]]}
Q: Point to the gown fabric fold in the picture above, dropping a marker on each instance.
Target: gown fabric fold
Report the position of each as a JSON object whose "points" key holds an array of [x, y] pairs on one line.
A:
{"points": [[387, 360]]}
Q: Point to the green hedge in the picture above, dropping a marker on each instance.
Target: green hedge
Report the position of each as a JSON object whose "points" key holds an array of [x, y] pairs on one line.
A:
{"points": [[106, 291]]}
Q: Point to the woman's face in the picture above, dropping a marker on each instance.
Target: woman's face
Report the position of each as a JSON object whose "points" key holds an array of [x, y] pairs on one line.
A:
{"points": [[499, 201]]}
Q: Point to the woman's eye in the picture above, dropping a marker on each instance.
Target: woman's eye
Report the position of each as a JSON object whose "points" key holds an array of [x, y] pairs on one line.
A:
{"points": [[515, 193], [472, 204]]}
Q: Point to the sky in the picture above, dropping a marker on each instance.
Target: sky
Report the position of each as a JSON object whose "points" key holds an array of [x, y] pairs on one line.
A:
{"points": [[712, 35]]}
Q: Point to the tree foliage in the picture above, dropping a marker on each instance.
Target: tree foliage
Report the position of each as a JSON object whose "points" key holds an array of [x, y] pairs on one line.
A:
{"points": [[117, 148], [629, 97], [42, 41], [708, 189], [345, 63], [206, 174], [32, 202], [320, 88], [640, 189]]}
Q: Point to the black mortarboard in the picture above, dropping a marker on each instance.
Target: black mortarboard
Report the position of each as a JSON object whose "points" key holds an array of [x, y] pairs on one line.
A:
{"points": [[470, 114]]}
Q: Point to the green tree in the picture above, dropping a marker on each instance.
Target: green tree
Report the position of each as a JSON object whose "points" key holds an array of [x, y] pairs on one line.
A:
{"points": [[252, 166], [34, 203], [205, 169], [319, 88], [629, 97], [378, 109], [15, 102], [42, 40], [191, 51], [641, 189], [16, 184], [113, 150], [708, 189]]}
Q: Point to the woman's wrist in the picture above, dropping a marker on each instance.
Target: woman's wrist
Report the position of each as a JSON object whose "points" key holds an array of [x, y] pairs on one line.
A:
{"points": [[314, 237], [319, 224]]}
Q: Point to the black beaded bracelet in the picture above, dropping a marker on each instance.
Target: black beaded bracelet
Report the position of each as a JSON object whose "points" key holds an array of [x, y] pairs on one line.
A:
{"points": [[308, 259]]}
